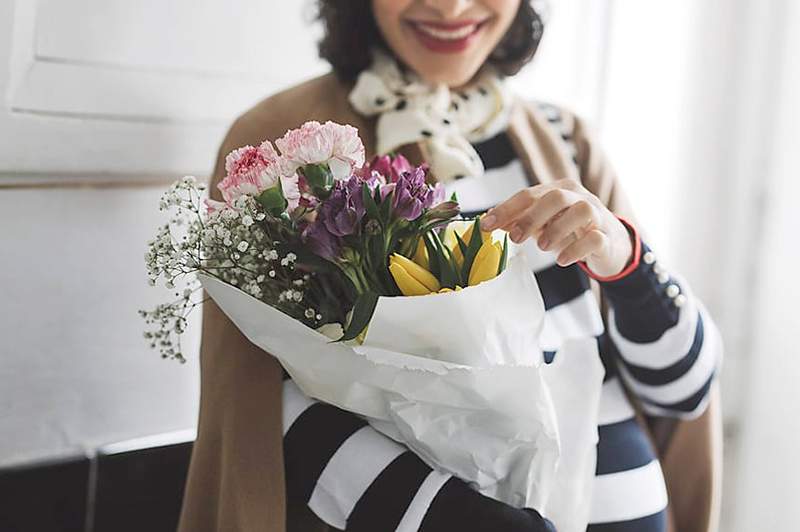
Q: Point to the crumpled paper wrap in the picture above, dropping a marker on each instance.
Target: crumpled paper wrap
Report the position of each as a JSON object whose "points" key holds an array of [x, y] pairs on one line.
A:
{"points": [[459, 378]]}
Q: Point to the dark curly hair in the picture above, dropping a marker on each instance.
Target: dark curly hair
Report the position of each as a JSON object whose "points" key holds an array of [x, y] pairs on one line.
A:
{"points": [[351, 31]]}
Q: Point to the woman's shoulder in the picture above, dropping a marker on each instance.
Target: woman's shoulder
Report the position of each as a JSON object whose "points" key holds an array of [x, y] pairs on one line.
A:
{"points": [[575, 145], [555, 116], [321, 98], [575, 131], [272, 116]]}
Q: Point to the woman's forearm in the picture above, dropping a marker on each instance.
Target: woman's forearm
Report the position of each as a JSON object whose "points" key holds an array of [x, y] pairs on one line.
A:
{"points": [[668, 346]]}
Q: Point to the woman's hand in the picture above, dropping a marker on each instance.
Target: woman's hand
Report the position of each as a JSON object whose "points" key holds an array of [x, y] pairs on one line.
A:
{"points": [[569, 220]]}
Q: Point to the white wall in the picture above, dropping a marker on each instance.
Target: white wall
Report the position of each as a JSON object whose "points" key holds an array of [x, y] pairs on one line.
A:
{"points": [[767, 482], [103, 102], [74, 368], [701, 119]]}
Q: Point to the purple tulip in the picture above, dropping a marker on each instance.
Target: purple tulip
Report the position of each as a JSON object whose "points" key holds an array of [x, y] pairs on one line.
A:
{"points": [[386, 190], [342, 212], [412, 195], [438, 194], [321, 242]]}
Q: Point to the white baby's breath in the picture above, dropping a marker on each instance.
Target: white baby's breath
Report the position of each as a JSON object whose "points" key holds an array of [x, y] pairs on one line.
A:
{"points": [[234, 243]]}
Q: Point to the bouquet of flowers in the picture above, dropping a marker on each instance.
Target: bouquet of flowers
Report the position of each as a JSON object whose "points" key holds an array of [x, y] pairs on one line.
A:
{"points": [[374, 296]]}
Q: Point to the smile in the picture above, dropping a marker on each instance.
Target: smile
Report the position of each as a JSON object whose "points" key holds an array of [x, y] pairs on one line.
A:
{"points": [[447, 38]]}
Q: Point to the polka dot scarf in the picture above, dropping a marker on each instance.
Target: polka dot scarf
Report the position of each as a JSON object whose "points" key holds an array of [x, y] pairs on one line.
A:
{"points": [[445, 121]]}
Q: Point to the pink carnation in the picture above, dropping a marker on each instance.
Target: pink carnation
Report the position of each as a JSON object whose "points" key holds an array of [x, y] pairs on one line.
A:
{"points": [[291, 191], [250, 171], [213, 206], [314, 143]]}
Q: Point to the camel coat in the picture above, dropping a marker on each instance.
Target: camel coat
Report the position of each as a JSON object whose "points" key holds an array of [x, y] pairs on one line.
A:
{"points": [[236, 477]]}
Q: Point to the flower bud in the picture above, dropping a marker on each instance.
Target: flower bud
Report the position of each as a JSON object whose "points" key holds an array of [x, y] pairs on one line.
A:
{"points": [[446, 289], [486, 263], [272, 200], [373, 227], [421, 254], [466, 236], [411, 278]]}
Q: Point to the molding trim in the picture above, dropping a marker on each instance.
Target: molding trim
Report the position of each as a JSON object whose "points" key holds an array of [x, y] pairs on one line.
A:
{"points": [[30, 180]]}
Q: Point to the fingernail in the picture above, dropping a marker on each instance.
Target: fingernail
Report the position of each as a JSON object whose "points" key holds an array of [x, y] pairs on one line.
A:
{"points": [[488, 221], [515, 234], [543, 243]]}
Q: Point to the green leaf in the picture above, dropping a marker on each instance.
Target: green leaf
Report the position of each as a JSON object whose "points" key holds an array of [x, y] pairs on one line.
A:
{"points": [[448, 269], [461, 245], [388, 285], [369, 203], [475, 243], [378, 264], [307, 258], [386, 206], [433, 262], [319, 176], [362, 314], [272, 200], [454, 197], [503, 256], [432, 225]]}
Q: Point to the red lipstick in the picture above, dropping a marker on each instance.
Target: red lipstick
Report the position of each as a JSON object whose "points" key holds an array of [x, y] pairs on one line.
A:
{"points": [[446, 37]]}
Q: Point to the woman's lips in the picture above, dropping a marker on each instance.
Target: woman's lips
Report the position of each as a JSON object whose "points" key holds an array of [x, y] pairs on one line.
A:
{"points": [[446, 38]]}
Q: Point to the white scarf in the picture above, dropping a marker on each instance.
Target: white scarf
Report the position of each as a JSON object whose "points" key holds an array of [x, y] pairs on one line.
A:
{"points": [[445, 121]]}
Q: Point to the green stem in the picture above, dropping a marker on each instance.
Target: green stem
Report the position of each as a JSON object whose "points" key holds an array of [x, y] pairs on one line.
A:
{"points": [[356, 277]]}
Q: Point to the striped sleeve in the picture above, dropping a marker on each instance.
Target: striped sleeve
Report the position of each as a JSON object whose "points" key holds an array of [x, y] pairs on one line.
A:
{"points": [[356, 479], [668, 347]]}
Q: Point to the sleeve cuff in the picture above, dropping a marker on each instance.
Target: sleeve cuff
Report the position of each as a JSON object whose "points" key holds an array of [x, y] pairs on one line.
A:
{"points": [[633, 264]]}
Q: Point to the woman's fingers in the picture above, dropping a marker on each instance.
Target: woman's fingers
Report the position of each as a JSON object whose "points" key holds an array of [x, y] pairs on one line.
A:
{"points": [[528, 211], [593, 241], [557, 233], [535, 218], [504, 214], [566, 219]]}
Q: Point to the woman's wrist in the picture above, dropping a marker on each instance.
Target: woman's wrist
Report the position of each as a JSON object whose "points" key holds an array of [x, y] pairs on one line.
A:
{"points": [[633, 259]]}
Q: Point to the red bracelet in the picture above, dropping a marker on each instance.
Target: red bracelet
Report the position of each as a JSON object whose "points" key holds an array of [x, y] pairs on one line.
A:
{"points": [[634, 263]]}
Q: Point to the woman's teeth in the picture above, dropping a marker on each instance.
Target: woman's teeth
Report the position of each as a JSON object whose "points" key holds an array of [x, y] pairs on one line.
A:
{"points": [[448, 35]]}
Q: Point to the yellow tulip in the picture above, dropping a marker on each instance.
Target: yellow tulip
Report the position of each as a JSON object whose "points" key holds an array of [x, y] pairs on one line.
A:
{"points": [[459, 227], [421, 254], [408, 285], [487, 262], [466, 236], [411, 278], [445, 290]]}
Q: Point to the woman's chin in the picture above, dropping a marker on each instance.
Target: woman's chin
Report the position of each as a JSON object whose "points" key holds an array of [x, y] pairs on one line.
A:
{"points": [[448, 72]]}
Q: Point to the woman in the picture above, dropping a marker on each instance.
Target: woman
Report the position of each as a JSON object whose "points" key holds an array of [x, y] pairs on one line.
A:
{"points": [[426, 78]]}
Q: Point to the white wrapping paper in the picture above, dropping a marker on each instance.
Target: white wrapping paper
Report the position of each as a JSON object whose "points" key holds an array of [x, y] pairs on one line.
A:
{"points": [[458, 378]]}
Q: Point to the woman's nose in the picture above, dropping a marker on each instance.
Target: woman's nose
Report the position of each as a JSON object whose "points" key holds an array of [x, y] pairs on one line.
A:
{"points": [[449, 9]]}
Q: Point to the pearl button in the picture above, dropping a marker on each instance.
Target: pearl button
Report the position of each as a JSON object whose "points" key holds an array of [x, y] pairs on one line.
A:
{"points": [[663, 277], [649, 257], [657, 268], [680, 300], [673, 290]]}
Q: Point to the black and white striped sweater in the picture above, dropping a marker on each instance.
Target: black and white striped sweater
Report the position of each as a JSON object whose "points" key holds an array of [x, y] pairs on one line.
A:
{"points": [[660, 341]]}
